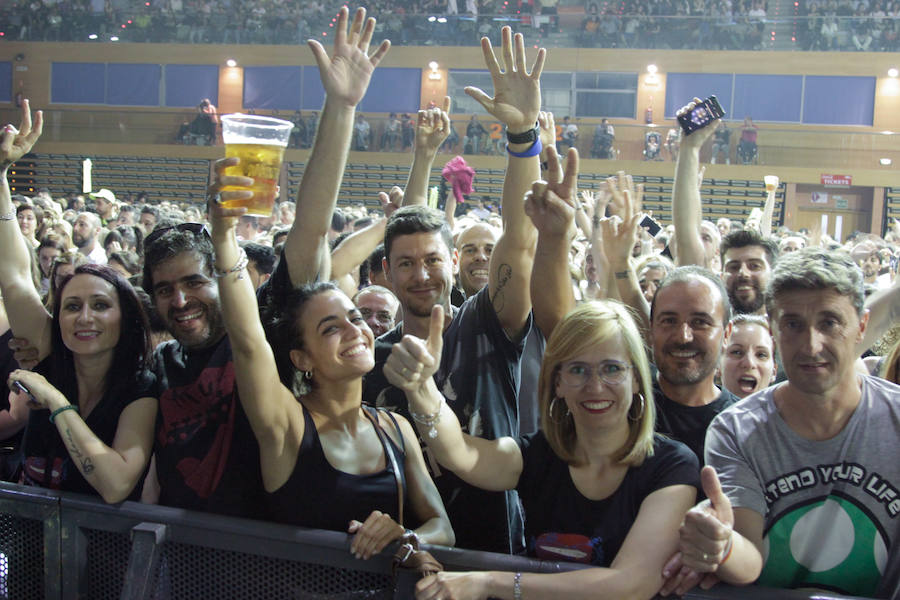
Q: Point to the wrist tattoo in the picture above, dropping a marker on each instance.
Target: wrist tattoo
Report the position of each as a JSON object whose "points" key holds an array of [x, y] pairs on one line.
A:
{"points": [[621, 274]]}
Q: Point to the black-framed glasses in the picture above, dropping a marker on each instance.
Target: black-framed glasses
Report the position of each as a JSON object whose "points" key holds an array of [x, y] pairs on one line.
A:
{"points": [[195, 228], [577, 374]]}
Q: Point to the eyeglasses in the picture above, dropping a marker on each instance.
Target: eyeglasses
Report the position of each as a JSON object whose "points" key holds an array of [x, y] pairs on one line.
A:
{"points": [[195, 228], [577, 374]]}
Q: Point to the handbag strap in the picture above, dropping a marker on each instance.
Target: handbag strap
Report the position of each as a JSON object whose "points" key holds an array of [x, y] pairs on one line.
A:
{"points": [[391, 458]]}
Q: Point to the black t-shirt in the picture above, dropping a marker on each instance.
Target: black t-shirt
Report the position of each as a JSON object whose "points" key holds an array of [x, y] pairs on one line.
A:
{"points": [[688, 424], [562, 524], [479, 376], [207, 457], [46, 461]]}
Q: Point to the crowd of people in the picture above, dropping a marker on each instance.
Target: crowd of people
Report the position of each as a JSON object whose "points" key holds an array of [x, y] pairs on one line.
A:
{"points": [[543, 378], [688, 24]]}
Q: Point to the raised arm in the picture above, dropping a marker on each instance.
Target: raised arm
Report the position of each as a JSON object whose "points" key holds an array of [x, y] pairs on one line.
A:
{"points": [[884, 311], [432, 128], [112, 470], [27, 316], [619, 237], [551, 207], [345, 77], [493, 465], [516, 102], [686, 206], [271, 408]]}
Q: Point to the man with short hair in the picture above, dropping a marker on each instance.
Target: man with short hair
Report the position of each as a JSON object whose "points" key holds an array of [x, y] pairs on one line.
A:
{"points": [[85, 232], [126, 215], [803, 477], [105, 205], [148, 219], [868, 256], [247, 229], [747, 261], [260, 262], [792, 243], [474, 246], [723, 224], [689, 321], [378, 306], [376, 267]]}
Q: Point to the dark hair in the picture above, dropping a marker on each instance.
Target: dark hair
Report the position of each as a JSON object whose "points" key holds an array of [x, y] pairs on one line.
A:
{"points": [[283, 329], [416, 219], [150, 210], [363, 222], [132, 350], [691, 273], [128, 259], [51, 240], [749, 237], [262, 256], [133, 236], [38, 214], [338, 220], [172, 243], [127, 208], [374, 259]]}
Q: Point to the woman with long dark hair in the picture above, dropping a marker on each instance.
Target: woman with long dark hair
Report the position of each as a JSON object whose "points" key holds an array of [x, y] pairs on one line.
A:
{"points": [[93, 406]]}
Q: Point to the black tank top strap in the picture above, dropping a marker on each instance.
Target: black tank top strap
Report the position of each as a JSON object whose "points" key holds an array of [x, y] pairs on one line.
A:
{"points": [[393, 419]]}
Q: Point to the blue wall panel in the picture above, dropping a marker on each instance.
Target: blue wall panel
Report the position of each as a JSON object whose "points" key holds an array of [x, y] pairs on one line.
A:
{"points": [[393, 90], [6, 82], [768, 97], [133, 85], [274, 88], [839, 100], [313, 94], [681, 88], [78, 83], [187, 85]]}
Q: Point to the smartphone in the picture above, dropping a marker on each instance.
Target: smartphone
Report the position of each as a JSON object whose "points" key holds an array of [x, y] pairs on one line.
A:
{"points": [[19, 387], [701, 115], [650, 225]]}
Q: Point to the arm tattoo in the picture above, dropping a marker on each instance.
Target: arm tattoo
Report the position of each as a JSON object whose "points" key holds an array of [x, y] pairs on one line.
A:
{"points": [[86, 464], [504, 273], [621, 274]]}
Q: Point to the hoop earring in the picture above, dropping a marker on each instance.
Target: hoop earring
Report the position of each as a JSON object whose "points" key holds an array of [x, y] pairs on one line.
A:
{"points": [[307, 375], [641, 412], [555, 419]]}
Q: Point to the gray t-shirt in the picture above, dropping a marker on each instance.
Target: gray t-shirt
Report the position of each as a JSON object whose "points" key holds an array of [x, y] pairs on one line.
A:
{"points": [[831, 508]]}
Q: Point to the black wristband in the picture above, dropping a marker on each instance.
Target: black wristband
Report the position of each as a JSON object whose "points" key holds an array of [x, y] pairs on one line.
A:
{"points": [[527, 137]]}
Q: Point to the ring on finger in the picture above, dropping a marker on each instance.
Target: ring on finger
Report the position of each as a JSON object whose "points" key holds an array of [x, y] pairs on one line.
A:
{"points": [[705, 557]]}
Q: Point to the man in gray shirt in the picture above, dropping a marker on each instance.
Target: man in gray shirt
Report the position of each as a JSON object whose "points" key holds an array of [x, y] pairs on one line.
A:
{"points": [[810, 482]]}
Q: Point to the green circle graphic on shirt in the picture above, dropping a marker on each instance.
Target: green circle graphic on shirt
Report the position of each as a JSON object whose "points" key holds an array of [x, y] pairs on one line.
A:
{"points": [[832, 543]]}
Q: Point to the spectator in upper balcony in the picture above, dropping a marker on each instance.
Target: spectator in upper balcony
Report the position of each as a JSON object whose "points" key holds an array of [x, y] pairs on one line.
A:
{"points": [[475, 131], [390, 137], [569, 135], [362, 133]]}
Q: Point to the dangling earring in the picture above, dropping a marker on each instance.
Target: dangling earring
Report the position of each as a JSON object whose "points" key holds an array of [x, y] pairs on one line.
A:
{"points": [[555, 419], [640, 412]]}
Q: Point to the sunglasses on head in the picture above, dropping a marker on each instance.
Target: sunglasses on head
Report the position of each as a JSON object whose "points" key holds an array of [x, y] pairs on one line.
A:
{"points": [[195, 228]]}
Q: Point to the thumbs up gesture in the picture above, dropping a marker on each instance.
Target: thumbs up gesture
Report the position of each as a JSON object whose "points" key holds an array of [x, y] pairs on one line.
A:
{"points": [[413, 361], [706, 534]]}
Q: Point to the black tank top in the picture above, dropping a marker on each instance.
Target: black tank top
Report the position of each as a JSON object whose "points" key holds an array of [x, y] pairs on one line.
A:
{"points": [[320, 496]]}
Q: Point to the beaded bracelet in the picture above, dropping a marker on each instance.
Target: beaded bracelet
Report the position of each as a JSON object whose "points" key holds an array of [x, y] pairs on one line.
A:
{"points": [[517, 586], [239, 266], [56, 412], [9, 216]]}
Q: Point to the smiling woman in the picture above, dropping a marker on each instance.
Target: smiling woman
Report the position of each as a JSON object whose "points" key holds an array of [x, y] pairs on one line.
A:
{"points": [[91, 424]]}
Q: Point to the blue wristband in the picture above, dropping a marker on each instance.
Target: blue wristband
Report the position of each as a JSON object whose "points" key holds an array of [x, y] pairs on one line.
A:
{"points": [[535, 149]]}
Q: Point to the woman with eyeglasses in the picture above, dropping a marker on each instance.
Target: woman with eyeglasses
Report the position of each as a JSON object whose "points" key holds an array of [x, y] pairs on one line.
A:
{"points": [[93, 402], [597, 485]]}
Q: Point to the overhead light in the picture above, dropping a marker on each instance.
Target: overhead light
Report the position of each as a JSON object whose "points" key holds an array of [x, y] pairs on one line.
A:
{"points": [[93, 36], [442, 19], [114, 38], [885, 162], [652, 69], [887, 132], [432, 19], [433, 65], [892, 72], [231, 62]]}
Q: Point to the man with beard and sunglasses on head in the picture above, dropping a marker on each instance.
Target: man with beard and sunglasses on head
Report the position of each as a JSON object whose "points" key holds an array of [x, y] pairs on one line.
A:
{"points": [[207, 457], [689, 321], [747, 261]]}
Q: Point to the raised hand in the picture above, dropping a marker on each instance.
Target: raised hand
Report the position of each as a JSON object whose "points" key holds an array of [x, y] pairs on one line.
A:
{"points": [[458, 586], [619, 233], [517, 93], [43, 394], [220, 217], [551, 204], [391, 201], [616, 188], [547, 126], [371, 536], [16, 143], [699, 136], [433, 127], [25, 353], [346, 74], [413, 361]]}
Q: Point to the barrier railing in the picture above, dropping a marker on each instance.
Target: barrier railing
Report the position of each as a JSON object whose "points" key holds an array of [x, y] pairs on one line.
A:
{"points": [[67, 546]]}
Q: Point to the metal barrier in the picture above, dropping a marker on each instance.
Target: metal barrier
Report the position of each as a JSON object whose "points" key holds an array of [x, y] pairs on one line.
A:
{"points": [[67, 546]]}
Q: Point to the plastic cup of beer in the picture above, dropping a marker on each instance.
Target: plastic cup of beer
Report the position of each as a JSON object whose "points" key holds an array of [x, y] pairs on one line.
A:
{"points": [[259, 142], [771, 182]]}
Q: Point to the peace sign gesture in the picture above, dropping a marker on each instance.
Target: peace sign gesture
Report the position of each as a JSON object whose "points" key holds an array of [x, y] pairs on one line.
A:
{"points": [[15, 143]]}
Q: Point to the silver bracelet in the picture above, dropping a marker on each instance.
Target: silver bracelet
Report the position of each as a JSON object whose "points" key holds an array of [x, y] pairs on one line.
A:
{"points": [[9, 216], [517, 586], [428, 421], [238, 267]]}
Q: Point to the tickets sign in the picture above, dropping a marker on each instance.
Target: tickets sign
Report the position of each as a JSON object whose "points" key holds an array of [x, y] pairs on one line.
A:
{"points": [[837, 180]]}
